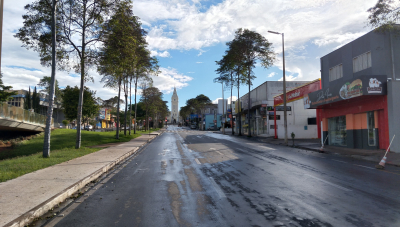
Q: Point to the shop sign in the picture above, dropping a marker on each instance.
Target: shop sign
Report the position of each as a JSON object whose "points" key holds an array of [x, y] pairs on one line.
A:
{"points": [[108, 115], [102, 114], [279, 108], [298, 92], [363, 85]]}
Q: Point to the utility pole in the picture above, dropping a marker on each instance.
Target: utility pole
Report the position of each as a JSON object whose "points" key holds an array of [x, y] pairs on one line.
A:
{"points": [[1, 28], [284, 88], [223, 109]]}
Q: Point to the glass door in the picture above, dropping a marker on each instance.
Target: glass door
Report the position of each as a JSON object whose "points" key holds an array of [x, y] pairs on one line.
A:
{"points": [[371, 128], [337, 131]]}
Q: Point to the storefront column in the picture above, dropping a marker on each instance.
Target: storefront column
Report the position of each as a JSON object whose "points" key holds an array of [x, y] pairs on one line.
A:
{"points": [[319, 122]]}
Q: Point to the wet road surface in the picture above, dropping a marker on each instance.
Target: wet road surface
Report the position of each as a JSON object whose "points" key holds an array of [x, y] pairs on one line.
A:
{"points": [[191, 178]]}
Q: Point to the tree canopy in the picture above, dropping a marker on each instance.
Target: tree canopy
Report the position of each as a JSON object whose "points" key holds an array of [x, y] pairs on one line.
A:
{"points": [[384, 15], [5, 94], [70, 95]]}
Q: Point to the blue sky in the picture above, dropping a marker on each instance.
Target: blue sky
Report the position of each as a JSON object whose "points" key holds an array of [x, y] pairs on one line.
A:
{"points": [[188, 36]]}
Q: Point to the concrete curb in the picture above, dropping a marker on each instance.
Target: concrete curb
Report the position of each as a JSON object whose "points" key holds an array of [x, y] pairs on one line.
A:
{"points": [[44, 207]]}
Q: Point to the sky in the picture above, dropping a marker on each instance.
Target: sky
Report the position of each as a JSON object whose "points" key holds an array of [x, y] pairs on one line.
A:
{"points": [[188, 36]]}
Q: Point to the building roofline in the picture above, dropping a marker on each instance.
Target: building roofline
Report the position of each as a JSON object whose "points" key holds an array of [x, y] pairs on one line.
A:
{"points": [[299, 87]]}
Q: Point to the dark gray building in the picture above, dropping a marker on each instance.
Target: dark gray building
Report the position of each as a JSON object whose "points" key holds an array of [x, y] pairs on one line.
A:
{"points": [[357, 99]]}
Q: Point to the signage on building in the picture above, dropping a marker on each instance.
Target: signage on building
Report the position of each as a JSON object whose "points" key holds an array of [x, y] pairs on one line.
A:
{"points": [[375, 86], [279, 108], [363, 85], [102, 114], [298, 93], [108, 115]]}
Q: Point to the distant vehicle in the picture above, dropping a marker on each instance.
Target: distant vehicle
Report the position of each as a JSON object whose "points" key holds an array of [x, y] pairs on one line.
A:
{"points": [[193, 126], [89, 127], [74, 128]]}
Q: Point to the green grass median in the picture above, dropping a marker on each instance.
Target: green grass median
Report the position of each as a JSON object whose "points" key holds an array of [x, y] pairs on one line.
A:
{"points": [[27, 157]]}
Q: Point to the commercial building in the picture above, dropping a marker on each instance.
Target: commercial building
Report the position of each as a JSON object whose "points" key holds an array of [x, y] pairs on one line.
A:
{"points": [[358, 96], [262, 112]]}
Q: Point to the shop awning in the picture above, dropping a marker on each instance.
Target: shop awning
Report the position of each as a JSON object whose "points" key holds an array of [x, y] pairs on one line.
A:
{"points": [[348, 89]]}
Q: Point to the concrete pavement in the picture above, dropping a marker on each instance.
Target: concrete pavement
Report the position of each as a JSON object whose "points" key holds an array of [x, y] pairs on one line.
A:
{"points": [[27, 197]]}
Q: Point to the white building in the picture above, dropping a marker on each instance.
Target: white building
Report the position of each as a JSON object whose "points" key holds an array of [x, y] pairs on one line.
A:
{"points": [[262, 112], [222, 106]]}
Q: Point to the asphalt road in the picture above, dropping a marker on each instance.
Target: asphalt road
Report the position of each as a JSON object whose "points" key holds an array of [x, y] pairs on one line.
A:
{"points": [[190, 178]]}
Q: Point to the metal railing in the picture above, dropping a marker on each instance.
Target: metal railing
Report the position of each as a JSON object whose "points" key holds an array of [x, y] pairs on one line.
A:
{"points": [[22, 115]]}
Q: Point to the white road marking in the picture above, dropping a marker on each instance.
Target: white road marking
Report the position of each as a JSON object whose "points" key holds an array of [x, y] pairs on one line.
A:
{"points": [[364, 166], [212, 148], [338, 160], [198, 162], [332, 184], [219, 152], [217, 188]]}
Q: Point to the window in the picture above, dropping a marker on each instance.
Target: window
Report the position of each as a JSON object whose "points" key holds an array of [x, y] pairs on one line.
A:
{"points": [[273, 127], [271, 117], [312, 121], [362, 62], [335, 72]]}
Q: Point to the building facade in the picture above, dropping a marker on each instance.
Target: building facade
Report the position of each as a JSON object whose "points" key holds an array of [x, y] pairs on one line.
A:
{"points": [[357, 80], [262, 112]]}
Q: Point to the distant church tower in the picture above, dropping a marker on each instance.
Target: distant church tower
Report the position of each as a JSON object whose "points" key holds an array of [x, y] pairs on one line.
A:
{"points": [[174, 108]]}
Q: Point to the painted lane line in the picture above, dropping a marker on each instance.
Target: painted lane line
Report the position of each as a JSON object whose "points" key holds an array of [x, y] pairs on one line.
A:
{"points": [[338, 160], [219, 152], [197, 161], [364, 166], [212, 148], [217, 188], [332, 184]]}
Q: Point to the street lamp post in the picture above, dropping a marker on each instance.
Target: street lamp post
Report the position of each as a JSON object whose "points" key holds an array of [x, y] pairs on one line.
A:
{"points": [[223, 110], [284, 87]]}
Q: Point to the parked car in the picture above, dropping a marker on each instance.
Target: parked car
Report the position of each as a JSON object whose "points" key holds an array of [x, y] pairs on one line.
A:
{"points": [[89, 127], [193, 126]]}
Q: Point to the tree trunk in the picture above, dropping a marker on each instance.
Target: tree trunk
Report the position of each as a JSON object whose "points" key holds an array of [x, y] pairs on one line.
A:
{"points": [[130, 105], [126, 104], [136, 81], [80, 103], [47, 133], [239, 108], [119, 97], [248, 109]]}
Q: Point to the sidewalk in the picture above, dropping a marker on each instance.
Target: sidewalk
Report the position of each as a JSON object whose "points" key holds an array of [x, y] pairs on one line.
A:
{"points": [[315, 145], [33, 194]]}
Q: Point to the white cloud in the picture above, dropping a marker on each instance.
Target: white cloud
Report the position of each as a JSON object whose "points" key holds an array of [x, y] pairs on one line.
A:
{"points": [[323, 23], [272, 74], [199, 62], [170, 78], [164, 54]]}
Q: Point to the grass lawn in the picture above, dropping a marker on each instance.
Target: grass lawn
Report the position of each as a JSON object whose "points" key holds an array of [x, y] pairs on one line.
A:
{"points": [[27, 157]]}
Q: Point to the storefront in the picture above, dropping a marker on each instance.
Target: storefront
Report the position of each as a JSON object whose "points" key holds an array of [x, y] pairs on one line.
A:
{"points": [[354, 113], [302, 120]]}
